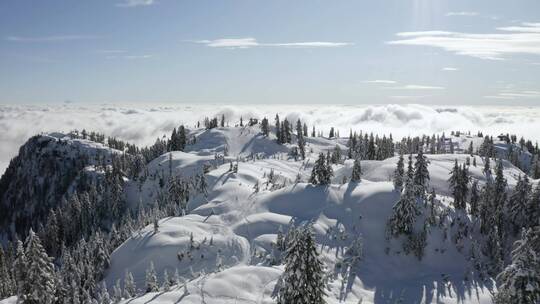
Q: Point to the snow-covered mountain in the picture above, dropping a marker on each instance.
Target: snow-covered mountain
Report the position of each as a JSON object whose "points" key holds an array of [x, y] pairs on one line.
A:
{"points": [[237, 193]]}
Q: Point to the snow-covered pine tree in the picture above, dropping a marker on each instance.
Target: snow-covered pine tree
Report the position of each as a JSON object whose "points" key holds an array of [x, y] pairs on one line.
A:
{"points": [[302, 282], [404, 211], [322, 173], [421, 174], [151, 279], [519, 282], [399, 173], [517, 204], [533, 207], [356, 175], [166, 281], [474, 199], [265, 128], [278, 130], [129, 285], [6, 282], [39, 286]]}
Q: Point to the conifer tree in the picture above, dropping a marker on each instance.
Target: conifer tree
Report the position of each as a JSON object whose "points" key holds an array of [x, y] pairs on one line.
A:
{"points": [[322, 172], [302, 281], [39, 286], [356, 175], [519, 283], [421, 173], [404, 211], [129, 286], [517, 204], [151, 279], [399, 173], [265, 128], [475, 199]]}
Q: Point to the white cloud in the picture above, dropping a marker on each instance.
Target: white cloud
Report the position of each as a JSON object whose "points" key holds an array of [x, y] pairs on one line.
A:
{"points": [[418, 87], [462, 14], [56, 38], [244, 43], [515, 94], [134, 3], [524, 39], [381, 81], [142, 125], [449, 69]]}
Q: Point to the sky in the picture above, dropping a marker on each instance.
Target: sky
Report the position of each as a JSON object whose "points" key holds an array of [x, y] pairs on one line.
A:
{"points": [[451, 52]]}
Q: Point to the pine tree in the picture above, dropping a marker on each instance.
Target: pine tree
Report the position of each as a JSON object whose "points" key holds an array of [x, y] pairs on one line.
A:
{"points": [[519, 283], [39, 286], [475, 199], [517, 204], [421, 173], [278, 130], [404, 212], [166, 281], [6, 283], [356, 175], [303, 279], [399, 173], [129, 286], [533, 207], [151, 279], [265, 128], [322, 172]]}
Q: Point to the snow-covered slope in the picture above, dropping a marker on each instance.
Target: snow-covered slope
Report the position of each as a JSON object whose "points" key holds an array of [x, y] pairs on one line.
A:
{"points": [[234, 227]]}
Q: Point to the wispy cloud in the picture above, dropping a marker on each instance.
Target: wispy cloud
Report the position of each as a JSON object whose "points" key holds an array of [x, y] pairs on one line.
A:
{"points": [[449, 69], [418, 87], [515, 94], [523, 39], [462, 14], [135, 3], [244, 43], [56, 38], [411, 87], [381, 81]]}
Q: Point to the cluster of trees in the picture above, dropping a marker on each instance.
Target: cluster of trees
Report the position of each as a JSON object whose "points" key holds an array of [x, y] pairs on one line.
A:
{"points": [[370, 147]]}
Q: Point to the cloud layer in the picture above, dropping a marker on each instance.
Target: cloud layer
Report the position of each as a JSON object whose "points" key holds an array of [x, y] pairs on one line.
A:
{"points": [[142, 125], [244, 43], [523, 39]]}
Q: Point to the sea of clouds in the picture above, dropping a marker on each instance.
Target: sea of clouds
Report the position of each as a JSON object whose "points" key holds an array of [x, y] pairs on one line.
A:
{"points": [[143, 124]]}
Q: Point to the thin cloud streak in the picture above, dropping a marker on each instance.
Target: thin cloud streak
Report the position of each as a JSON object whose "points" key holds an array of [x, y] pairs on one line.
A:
{"points": [[135, 3], [524, 39], [244, 43], [462, 14], [57, 38]]}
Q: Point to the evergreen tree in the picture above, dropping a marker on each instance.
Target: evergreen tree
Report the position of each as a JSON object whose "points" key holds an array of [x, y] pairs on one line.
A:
{"points": [[39, 286], [421, 173], [6, 283], [533, 207], [404, 212], [519, 283], [322, 172], [151, 279], [302, 281], [265, 128], [356, 175], [517, 204], [475, 199], [278, 130], [129, 286], [399, 173]]}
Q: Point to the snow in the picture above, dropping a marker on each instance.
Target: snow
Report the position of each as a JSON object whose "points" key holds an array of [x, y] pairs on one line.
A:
{"points": [[241, 222], [234, 227]]}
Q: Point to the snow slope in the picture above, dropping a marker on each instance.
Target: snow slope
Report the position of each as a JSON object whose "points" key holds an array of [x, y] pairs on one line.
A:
{"points": [[234, 227]]}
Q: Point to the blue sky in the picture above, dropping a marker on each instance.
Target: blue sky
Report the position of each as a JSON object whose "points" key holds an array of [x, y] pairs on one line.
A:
{"points": [[246, 51]]}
